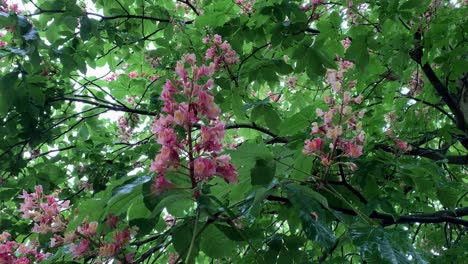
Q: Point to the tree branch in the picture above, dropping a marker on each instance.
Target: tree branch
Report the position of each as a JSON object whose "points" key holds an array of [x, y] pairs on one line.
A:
{"points": [[417, 54], [435, 155], [109, 107], [443, 216]]}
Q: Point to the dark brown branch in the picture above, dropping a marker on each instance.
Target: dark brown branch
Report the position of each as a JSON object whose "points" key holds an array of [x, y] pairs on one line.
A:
{"points": [[194, 9], [417, 54], [104, 106], [51, 151], [102, 17], [443, 216], [147, 240], [249, 56], [435, 155], [429, 104], [252, 126]]}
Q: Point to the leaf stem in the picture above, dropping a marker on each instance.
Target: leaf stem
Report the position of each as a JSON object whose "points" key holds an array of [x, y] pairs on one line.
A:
{"points": [[192, 242]]}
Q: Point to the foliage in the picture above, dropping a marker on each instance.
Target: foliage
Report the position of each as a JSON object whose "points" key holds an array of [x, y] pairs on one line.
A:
{"points": [[338, 131]]}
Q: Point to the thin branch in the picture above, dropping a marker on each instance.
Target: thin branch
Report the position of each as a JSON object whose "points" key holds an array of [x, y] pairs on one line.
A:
{"points": [[52, 151], [416, 54], [109, 107], [443, 216], [429, 104], [194, 9], [435, 155], [249, 56]]}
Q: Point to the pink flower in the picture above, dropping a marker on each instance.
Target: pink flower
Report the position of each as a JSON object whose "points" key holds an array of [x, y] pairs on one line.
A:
{"points": [[358, 100], [315, 128], [325, 161], [206, 40], [167, 157], [108, 250], [225, 169], [80, 249], [41, 256], [112, 220], [319, 112], [56, 241], [4, 236], [122, 238], [328, 117], [22, 260], [167, 137], [334, 132], [7, 247], [89, 229], [180, 70], [211, 136], [206, 105], [217, 39], [361, 137], [316, 2], [161, 184], [361, 113], [353, 150], [292, 82], [402, 145], [133, 74], [204, 168], [327, 99], [169, 219], [314, 145], [331, 76], [210, 53], [347, 110], [347, 97], [190, 58], [346, 43]]}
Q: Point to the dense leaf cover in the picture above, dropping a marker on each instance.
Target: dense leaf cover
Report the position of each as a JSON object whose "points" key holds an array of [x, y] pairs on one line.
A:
{"points": [[233, 131]]}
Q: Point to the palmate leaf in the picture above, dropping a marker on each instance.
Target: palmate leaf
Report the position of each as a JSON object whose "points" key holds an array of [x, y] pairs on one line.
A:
{"points": [[307, 204], [215, 244], [379, 243]]}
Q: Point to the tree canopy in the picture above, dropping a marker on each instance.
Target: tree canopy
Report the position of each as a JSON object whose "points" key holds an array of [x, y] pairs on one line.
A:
{"points": [[233, 131]]}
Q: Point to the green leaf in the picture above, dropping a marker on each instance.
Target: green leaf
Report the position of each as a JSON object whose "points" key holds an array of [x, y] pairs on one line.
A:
{"points": [[182, 238], [413, 4], [86, 28], [7, 94], [129, 186], [380, 245], [215, 244], [263, 172], [308, 204], [357, 52], [175, 202], [297, 122]]}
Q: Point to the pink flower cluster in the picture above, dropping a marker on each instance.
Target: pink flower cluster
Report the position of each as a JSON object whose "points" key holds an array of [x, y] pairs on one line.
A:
{"points": [[6, 7], [128, 122], [153, 61], [400, 145], [45, 211], [12, 252], [340, 126], [220, 52], [246, 6], [195, 108], [292, 82], [86, 242]]}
